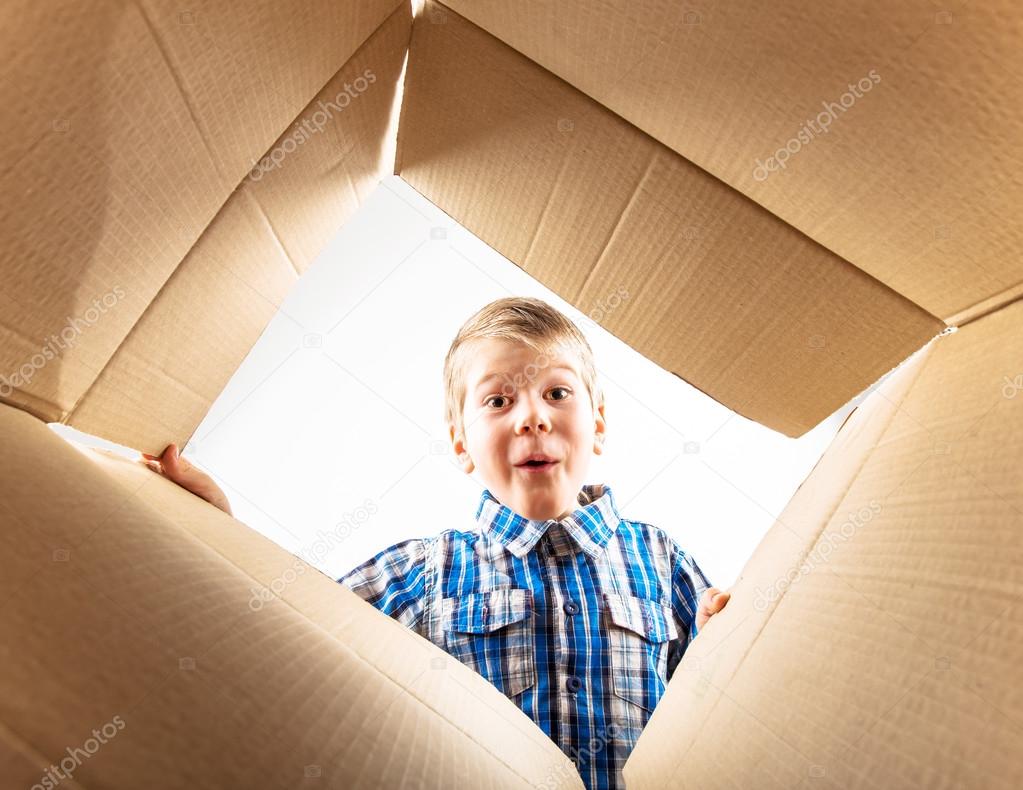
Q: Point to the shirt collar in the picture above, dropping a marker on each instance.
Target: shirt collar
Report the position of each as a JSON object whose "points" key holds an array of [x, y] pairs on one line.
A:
{"points": [[590, 526]]}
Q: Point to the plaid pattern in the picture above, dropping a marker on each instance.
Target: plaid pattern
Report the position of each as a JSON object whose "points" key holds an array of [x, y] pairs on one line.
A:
{"points": [[581, 622]]}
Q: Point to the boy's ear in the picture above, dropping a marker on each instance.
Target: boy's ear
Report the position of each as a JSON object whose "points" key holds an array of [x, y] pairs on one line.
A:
{"points": [[461, 452], [600, 430]]}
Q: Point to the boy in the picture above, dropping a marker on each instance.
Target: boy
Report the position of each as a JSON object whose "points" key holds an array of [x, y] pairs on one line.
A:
{"points": [[578, 616]]}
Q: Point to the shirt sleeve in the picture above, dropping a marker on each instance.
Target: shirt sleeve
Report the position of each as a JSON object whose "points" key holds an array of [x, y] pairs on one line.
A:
{"points": [[688, 583], [394, 581]]}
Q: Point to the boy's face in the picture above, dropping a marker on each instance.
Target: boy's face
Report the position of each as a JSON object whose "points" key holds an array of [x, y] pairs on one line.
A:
{"points": [[519, 403]]}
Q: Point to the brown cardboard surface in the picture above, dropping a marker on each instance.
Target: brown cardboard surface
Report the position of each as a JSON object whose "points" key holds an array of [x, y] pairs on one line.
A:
{"points": [[165, 376], [716, 289], [118, 607], [319, 185], [890, 656], [917, 183], [130, 124], [107, 190], [19, 766], [247, 76], [170, 368]]}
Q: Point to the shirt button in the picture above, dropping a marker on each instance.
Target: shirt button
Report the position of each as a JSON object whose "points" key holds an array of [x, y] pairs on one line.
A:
{"points": [[571, 607], [573, 683]]}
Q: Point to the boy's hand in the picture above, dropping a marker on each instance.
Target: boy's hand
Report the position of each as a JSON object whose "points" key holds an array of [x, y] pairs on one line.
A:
{"points": [[712, 602], [174, 467]]}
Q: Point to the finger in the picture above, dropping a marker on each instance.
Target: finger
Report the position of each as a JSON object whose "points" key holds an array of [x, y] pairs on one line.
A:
{"points": [[706, 600], [171, 459]]}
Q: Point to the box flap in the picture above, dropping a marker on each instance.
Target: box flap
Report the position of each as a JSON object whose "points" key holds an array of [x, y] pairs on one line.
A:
{"points": [[154, 599], [180, 354], [130, 125], [684, 269], [876, 631], [916, 181]]}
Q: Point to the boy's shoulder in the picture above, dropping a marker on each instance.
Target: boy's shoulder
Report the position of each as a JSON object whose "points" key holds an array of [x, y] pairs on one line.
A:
{"points": [[422, 543], [651, 532]]}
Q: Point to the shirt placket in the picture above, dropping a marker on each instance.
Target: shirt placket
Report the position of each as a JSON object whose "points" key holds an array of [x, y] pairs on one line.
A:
{"points": [[557, 547]]}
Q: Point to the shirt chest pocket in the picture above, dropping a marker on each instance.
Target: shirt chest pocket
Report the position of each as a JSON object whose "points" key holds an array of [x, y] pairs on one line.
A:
{"points": [[492, 632], [639, 631]]}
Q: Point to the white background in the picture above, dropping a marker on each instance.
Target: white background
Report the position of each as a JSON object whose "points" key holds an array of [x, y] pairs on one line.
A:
{"points": [[340, 406]]}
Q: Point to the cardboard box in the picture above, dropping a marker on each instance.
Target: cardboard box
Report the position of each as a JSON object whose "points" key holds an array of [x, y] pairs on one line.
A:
{"points": [[150, 230]]}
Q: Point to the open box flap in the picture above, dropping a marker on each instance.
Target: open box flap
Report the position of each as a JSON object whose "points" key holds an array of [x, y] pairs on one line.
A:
{"points": [[876, 630], [144, 118], [149, 605], [169, 370], [687, 271], [916, 182]]}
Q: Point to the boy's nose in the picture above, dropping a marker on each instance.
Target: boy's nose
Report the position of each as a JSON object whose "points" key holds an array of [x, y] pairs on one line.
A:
{"points": [[532, 419]]}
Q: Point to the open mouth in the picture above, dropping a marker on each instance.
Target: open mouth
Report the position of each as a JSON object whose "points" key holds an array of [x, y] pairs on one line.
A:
{"points": [[536, 466]]}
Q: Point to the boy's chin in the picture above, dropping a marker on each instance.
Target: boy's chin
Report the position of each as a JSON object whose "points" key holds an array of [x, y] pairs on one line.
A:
{"points": [[543, 505]]}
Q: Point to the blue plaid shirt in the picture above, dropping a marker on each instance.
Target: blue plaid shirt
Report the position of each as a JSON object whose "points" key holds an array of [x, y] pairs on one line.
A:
{"points": [[580, 622]]}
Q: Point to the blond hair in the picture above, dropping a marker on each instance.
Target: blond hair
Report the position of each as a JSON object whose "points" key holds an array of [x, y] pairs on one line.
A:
{"points": [[521, 319]]}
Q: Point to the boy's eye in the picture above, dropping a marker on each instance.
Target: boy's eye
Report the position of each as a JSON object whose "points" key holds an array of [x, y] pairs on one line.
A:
{"points": [[490, 401]]}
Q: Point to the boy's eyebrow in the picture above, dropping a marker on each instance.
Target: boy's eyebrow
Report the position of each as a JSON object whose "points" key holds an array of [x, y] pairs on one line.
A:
{"points": [[498, 374]]}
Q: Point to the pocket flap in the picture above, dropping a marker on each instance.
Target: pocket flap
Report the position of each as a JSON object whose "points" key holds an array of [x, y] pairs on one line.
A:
{"points": [[650, 619], [484, 612]]}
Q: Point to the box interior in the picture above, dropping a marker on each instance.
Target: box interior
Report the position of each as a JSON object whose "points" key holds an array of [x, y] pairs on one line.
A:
{"points": [[175, 183]]}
